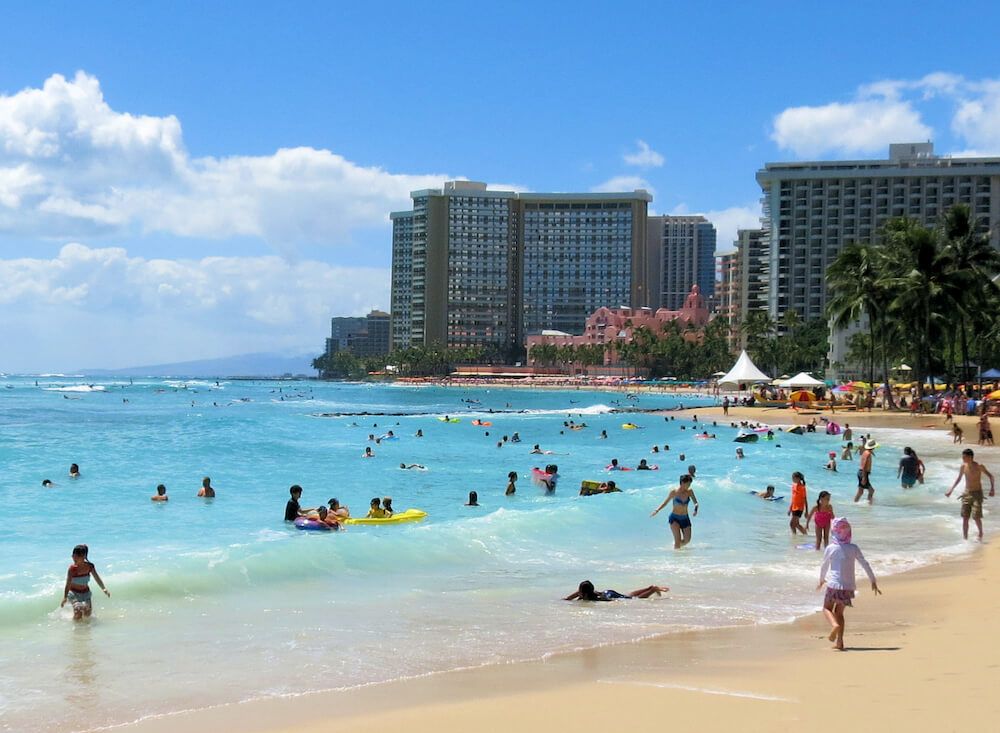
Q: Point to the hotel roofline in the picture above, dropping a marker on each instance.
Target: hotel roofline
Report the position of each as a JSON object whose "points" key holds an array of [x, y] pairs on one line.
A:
{"points": [[912, 166], [475, 188]]}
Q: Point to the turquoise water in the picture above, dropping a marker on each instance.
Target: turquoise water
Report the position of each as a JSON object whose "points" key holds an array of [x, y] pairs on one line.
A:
{"points": [[219, 601]]}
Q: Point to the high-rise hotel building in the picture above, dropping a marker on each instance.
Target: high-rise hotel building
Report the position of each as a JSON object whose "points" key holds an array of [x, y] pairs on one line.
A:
{"points": [[681, 253], [812, 209], [476, 267]]}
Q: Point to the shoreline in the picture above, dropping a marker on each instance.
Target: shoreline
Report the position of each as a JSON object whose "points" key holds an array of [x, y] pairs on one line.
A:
{"points": [[763, 671]]}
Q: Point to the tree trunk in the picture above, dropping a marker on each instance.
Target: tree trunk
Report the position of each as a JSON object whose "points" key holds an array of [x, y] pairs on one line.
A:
{"points": [[885, 377], [965, 352], [871, 353]]}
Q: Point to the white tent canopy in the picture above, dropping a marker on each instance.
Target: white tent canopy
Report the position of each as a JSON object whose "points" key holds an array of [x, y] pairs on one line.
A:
{"points": [[744, 372], [801, 381]]}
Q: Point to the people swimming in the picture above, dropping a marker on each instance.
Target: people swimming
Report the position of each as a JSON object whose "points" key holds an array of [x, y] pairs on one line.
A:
{"points": [[207, 491], [680, 520], [644, 466], [292, 509], [831, 464], [338, 509], [413, 466], [473, 499], [586, 592], [375, 510], [511, 484], [369, 453], [739, 453], [161, 494], [46, 484], [74, 471], [613, 466], [76, 592], [767, 493], [387, 506]]}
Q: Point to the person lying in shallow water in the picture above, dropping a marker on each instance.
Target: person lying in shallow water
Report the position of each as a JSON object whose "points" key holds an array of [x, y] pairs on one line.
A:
{"points": [[586, 592]]}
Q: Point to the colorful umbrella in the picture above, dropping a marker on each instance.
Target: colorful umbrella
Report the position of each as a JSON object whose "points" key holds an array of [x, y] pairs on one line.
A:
{"points": [[802, 395]]}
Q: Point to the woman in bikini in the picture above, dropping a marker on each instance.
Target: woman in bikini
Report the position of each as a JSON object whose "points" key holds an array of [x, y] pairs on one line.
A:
{"points": [[680, 521]]}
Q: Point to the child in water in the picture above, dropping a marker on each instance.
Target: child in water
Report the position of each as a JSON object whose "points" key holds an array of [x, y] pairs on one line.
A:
{"points": [[799, 503], [77, 588], [822, 513], [387, 506], [831, 465], [838, 561], [511, 483], [586, 592], [375, 511]]}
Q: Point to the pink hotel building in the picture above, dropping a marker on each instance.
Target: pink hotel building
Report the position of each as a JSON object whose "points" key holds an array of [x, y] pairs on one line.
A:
{"points": [[616, 325]]}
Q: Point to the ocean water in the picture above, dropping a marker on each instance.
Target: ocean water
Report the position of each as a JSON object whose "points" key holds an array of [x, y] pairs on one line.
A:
{"points": [[221, 601]]}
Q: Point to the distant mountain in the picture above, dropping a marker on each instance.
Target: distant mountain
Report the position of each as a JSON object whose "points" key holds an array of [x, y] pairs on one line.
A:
{"points": [[243, 365]]}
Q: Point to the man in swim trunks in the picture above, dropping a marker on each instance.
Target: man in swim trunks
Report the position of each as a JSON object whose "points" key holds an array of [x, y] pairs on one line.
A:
{"points": [[972, 498], [864, 473]]}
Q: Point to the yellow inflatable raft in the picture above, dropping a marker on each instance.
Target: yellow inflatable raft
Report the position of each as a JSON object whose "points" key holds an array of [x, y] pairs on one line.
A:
{"points": [[410, 515]]}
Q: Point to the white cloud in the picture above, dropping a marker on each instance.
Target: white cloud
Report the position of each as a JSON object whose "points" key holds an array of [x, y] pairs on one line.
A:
{"points": [[977, 119], [728, 221], [889, 110], [644, 157], [71, 166], [623, 183], [862, 126], [99, 306]]}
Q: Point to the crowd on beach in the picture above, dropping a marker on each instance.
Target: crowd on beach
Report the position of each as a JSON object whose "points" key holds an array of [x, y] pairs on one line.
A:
{"points": [[831, 534]]}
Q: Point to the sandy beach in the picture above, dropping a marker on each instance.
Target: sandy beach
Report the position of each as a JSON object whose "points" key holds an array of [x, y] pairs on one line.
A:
{"points": [[921, 657]]}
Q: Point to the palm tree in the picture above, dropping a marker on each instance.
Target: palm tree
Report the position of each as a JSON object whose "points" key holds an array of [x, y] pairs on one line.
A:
{"points": [[855, 281], [974, 261], [759, 329], [923, 287]]}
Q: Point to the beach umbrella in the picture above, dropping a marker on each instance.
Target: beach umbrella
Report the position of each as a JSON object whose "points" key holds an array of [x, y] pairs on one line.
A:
{"points": [[994, 395], [802, 395]]}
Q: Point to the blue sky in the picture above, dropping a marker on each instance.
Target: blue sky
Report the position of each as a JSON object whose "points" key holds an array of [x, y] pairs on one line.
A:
{"points": [[179, 182]]}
